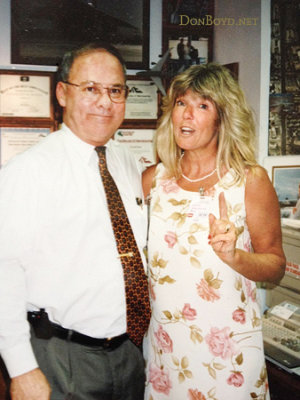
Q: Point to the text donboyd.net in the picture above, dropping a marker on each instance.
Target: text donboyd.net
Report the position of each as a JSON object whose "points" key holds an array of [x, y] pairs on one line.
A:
{"points": [[209, 20]]}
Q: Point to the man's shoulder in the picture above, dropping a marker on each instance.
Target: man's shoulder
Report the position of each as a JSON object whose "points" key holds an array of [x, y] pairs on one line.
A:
{"points": [[46, 151]]}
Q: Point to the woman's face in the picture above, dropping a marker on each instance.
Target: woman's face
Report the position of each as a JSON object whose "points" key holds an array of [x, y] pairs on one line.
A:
{"points": [[195, 122]]}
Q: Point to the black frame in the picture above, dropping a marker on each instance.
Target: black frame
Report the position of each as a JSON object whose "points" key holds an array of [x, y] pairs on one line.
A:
{"points": [[42, 31]]}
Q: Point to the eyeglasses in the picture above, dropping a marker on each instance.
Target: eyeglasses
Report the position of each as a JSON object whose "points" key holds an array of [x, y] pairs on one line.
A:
{"points": [[92, 90]]}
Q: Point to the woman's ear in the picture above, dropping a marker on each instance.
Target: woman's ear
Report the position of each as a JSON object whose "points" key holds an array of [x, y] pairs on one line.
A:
{"points": [[61, 94]]}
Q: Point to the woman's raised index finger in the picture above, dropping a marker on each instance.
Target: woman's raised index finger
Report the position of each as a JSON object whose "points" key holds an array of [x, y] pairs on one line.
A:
{"points": [[222, 206]]}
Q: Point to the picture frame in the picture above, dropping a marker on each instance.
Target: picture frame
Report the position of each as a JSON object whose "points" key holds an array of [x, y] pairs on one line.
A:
{"points": [[284, 173], [42, 31], [140, 143], [142, 104], [26, 95], [173, 9], [18, 138]]}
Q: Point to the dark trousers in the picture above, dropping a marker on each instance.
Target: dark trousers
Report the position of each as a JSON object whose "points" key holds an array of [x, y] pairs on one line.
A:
{"points": [[77, 372]]}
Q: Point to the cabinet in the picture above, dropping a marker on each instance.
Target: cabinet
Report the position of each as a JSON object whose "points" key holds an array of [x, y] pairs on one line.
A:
{"points": [[283, 386]]}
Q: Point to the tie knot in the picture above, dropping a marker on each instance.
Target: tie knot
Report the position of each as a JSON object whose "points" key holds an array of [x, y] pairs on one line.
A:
{"points": [[101, 151]]}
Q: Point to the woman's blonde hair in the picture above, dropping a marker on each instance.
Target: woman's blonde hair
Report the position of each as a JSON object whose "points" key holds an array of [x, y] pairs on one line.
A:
{"points": [[236, 141]]}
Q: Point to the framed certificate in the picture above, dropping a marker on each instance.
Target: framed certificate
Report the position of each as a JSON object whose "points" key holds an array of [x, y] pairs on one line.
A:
{"points": [[140, 143], [26, 94], [142, 102], [15, 140]]}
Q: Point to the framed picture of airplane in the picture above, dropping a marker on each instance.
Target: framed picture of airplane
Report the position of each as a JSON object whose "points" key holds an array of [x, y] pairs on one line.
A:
{"points": [[42, 31]]}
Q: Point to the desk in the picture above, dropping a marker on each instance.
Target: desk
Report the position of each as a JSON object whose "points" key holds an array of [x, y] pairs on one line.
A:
{"points": [[283, 386]]}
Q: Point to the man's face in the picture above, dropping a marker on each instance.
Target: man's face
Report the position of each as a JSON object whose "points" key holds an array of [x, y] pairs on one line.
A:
{"points": [[92, 120]]}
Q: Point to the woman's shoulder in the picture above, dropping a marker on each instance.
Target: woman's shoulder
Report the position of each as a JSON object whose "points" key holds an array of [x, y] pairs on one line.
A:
{"points": [[150, 175], [257, 175], [147, 179]]}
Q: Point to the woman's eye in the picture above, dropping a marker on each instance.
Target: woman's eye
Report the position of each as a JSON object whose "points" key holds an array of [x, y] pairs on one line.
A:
{"points": [[203, 106], [179, 103]]}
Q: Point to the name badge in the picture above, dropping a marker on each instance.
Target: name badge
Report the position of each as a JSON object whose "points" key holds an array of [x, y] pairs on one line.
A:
{"points": [[200, 208]]}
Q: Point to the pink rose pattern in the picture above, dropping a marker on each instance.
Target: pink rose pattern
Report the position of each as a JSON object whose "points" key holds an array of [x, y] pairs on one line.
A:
{"points": [[170, 186], [188, 312], [207, 292], [163, 340], [160, 380], [225, 348], [239, 315], [236, 379], [220, 343], [171, 239]]}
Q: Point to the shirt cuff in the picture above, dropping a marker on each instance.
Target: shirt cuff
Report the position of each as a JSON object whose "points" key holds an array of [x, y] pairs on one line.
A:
{"points": [[19, 359]]}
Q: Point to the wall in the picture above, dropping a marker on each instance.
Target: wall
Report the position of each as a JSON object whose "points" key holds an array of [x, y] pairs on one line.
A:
{"points": [[250, 46]]}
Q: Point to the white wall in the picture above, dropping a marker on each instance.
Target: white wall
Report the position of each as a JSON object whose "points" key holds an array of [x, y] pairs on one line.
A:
{"points": [[248, 45]]}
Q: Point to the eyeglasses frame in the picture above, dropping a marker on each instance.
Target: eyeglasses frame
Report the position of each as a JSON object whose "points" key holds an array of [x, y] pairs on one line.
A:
{"points": [[123, 87]]}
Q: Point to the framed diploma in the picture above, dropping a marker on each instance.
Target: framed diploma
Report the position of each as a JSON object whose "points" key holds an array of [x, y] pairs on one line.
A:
{"points": [[140, 143], [142, 102], [26, 94], [15, 140]]}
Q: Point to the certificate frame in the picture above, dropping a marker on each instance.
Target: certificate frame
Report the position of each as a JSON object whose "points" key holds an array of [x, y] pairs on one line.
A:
{"points": [[26, 95], [140, 142], [32, 130], [143, 103]]}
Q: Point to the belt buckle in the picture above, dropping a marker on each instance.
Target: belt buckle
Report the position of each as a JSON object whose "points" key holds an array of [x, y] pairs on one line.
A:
{"points": [[107, 343]]}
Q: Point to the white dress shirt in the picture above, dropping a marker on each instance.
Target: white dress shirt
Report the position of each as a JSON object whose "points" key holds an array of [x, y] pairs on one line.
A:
{"points": [[58, 249]]}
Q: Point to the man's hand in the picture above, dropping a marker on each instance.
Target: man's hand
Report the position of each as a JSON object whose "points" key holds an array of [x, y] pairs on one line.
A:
{"points": [[30, 386]]}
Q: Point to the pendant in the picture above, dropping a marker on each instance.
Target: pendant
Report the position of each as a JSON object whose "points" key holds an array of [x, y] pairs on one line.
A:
{"points": [[201, 191]]}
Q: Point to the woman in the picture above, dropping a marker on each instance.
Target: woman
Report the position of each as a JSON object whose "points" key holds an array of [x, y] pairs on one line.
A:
{"points": [[214, 231]]}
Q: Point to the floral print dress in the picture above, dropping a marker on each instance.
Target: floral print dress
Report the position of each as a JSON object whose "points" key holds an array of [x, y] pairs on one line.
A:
{"points": [[204, 340]]}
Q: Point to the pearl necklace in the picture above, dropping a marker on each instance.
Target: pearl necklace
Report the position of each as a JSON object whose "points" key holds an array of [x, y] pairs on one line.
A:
{"points": [[199, 179]]}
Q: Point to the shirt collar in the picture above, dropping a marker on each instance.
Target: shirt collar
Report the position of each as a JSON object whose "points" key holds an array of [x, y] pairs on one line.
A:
{"points": [[85, 150]]}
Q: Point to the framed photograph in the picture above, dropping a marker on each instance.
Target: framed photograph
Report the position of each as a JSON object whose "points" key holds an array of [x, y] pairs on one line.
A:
{"points": [[15, 140], [177, 11], [192, 49], [42, 31], [26, 94], [285, 175], [187, 49], [142, 105], [140, 143]]}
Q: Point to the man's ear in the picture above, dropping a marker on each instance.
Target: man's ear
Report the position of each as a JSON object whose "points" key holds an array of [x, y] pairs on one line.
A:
{"points": [[61, 94]]}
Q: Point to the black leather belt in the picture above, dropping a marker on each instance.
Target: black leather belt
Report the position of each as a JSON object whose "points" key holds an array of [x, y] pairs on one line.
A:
{"points": [[72, 336]]}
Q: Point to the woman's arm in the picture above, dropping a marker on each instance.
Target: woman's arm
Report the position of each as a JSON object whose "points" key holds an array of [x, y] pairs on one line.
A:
{"points": [[267, 263], [147, 179]]}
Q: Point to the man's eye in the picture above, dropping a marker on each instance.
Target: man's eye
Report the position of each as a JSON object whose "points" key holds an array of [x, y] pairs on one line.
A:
{"points": [[91, 89], [115, 90]]}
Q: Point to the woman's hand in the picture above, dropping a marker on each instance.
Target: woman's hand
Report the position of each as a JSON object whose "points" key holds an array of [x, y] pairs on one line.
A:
{"points": [[222, 233]]}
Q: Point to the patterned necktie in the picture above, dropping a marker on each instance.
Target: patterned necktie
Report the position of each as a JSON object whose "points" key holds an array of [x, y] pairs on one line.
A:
{"points": [[136, 285]]}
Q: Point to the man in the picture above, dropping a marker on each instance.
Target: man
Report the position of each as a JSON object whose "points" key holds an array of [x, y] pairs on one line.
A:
{"points": [[59, 258]]}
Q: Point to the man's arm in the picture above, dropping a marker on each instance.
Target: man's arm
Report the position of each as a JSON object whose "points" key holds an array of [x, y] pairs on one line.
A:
{"points": [[32, 385]]}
